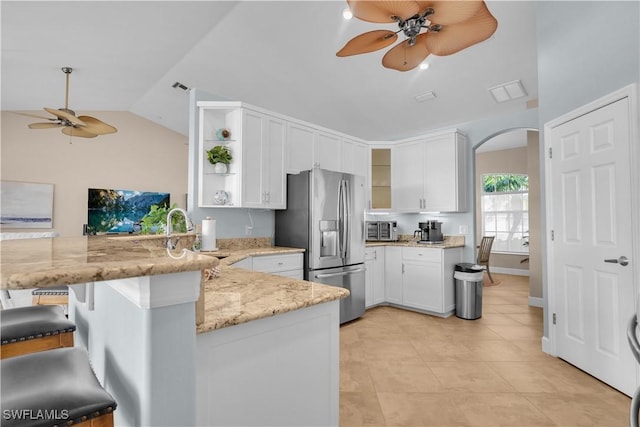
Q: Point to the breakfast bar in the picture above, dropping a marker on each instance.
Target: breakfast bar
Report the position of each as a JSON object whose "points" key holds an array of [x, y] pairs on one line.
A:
{"points": [[264, 340]]}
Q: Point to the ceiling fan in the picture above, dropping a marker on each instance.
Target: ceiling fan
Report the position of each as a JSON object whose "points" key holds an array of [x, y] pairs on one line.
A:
{"points": [[82, 126], [449, 26]]}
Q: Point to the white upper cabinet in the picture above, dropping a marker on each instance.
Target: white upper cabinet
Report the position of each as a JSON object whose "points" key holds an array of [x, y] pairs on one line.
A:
{"points": [[300, 146], [309, 147], [263, 183], [326, 152], [429, 174]]}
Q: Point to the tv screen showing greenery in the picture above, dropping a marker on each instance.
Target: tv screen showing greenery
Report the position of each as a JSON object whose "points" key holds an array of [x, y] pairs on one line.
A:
{"points": [[120, 211]]}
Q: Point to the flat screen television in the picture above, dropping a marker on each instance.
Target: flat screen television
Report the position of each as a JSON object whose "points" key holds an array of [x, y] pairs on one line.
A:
{"points": [[120, 211]]}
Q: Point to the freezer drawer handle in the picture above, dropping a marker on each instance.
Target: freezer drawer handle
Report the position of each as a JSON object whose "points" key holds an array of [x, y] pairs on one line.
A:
{"points": [[342, 273]]}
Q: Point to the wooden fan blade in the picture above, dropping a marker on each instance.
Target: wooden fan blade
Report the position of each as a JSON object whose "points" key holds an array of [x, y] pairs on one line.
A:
{"points": [[45, 125], [383, 10], [448, 12], [36, 116], [96, 126], [64, 115], [454, 38], [368, 42], [404, 57], [71, 131]]}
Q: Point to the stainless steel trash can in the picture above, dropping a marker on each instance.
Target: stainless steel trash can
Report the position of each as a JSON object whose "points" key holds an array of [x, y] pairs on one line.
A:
{"points": [[468, 279]]}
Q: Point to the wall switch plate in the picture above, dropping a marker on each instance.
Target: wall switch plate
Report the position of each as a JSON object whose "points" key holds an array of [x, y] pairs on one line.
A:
{"points": [[248, 230], [463, 229]]}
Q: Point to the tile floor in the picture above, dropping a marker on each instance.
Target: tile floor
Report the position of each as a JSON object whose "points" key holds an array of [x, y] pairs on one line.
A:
{"points": [[399, 368]]}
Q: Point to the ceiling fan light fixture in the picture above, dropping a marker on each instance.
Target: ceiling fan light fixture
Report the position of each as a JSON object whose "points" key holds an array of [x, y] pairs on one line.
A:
{"points": [[443, 27], [346, 13], [424, 65]]}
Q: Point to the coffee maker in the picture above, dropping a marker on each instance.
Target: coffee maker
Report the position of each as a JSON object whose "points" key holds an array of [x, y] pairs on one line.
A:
{"points": [[429, 232]]}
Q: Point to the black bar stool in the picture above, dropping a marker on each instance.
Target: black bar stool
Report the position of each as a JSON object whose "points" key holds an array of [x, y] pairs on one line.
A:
{"points": [[53, 388], [36, 328]]}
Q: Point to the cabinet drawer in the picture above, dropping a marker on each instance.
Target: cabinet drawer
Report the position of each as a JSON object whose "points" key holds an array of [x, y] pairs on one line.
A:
{"points": [[422, 254], [270, 263]]}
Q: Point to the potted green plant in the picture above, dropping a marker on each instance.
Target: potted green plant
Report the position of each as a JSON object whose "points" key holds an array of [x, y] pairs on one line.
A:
{"points": [[219, 156]]}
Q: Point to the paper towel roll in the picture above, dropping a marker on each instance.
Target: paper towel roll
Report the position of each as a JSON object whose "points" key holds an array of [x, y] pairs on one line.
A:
{"points": [[209, 234]]}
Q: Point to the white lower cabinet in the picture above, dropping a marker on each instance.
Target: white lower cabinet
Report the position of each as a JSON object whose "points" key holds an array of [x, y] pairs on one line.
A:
{"points": [[289, 265], [393, 274], [374, 276], [420, 278]]}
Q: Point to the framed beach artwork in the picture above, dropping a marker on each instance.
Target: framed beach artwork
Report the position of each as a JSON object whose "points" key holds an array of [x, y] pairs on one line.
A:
{"points": [[26, 205]]}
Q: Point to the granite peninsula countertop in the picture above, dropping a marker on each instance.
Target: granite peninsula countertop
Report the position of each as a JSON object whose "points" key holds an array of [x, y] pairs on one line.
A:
{"points": [[238, 295], [41, 263]]}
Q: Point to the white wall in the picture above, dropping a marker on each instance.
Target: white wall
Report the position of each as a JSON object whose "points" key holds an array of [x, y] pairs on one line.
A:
{"points": [[585, 50], [140, 156]]}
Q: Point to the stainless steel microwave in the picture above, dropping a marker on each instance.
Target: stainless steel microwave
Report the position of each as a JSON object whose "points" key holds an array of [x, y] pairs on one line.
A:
{"points": [[382, 231]]}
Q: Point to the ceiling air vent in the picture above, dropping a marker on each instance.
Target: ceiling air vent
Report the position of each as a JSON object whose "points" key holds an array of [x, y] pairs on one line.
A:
{"points": [[425, 96], [508, 91]]}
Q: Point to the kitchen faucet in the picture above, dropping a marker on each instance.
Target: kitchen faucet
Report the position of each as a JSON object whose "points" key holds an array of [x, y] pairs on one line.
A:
{"points": [[169, 244]]}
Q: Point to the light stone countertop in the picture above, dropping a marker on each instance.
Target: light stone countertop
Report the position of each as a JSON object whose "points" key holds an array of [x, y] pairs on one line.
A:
{"points": [[238, 295], [41, 263], [409, 241]]}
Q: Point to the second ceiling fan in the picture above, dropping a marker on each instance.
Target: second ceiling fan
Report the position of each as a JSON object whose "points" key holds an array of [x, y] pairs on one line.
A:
{"points": [[441, 28]]}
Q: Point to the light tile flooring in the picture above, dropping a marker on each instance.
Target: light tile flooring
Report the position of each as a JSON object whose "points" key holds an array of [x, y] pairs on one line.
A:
{"points": [[399, 368]]}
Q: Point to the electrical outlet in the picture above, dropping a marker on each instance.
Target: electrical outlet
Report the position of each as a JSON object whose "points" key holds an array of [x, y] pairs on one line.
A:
{"points": [[248, 230], [463, 229]]}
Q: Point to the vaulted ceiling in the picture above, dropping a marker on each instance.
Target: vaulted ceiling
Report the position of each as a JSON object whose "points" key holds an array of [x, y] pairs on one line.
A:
{"points": [[276, 55]]}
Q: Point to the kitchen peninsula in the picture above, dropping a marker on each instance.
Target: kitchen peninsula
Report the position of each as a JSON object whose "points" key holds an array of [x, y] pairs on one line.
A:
{"points": [[133, 304]]}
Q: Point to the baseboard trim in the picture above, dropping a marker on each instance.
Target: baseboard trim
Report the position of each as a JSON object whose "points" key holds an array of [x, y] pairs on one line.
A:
{"points": [[546, 346], [536, 302], [512, 271]]}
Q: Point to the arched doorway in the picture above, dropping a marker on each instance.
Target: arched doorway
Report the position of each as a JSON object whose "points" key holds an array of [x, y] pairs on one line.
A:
{"points": [[514, 152]]}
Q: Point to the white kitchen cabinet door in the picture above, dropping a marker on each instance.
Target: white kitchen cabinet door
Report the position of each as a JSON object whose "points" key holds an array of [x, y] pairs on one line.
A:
{"points": [[300, 145], [264, 180], [274, 157], [374, 276], [444, 174], [422, 285], [326, 151], [254, 144], [407, 165], [368, 277], [393, 274]]}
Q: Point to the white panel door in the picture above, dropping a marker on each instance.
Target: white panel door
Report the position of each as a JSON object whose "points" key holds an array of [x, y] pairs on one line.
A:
{"points": [[591, 222]]}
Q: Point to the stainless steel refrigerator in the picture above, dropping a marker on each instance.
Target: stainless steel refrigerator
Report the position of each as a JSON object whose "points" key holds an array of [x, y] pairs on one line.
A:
{"points": [[325, 216]]}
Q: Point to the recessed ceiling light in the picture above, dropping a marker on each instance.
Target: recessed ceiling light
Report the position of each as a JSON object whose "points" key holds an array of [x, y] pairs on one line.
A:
{"points": [[424, 65], [346, 13]]}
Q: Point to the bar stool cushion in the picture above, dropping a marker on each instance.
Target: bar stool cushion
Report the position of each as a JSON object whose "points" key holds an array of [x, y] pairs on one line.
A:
{"points": [[25, 323], [57, 386]]}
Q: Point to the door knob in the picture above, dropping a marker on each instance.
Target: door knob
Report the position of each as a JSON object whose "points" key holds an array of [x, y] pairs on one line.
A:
{"points": [[623, 261]]}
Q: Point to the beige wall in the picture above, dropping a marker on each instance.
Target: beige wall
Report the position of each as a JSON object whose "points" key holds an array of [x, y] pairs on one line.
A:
{"points": [[140, 156], [513, 160]]}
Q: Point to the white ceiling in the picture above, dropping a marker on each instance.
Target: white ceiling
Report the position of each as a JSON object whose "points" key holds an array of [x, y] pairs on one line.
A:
{"points": [[276, 55]]}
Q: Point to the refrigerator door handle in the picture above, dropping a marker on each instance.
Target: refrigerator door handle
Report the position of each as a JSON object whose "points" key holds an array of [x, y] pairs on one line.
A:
{"points": [[340, 221], [347, 220], [341, 273]]}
